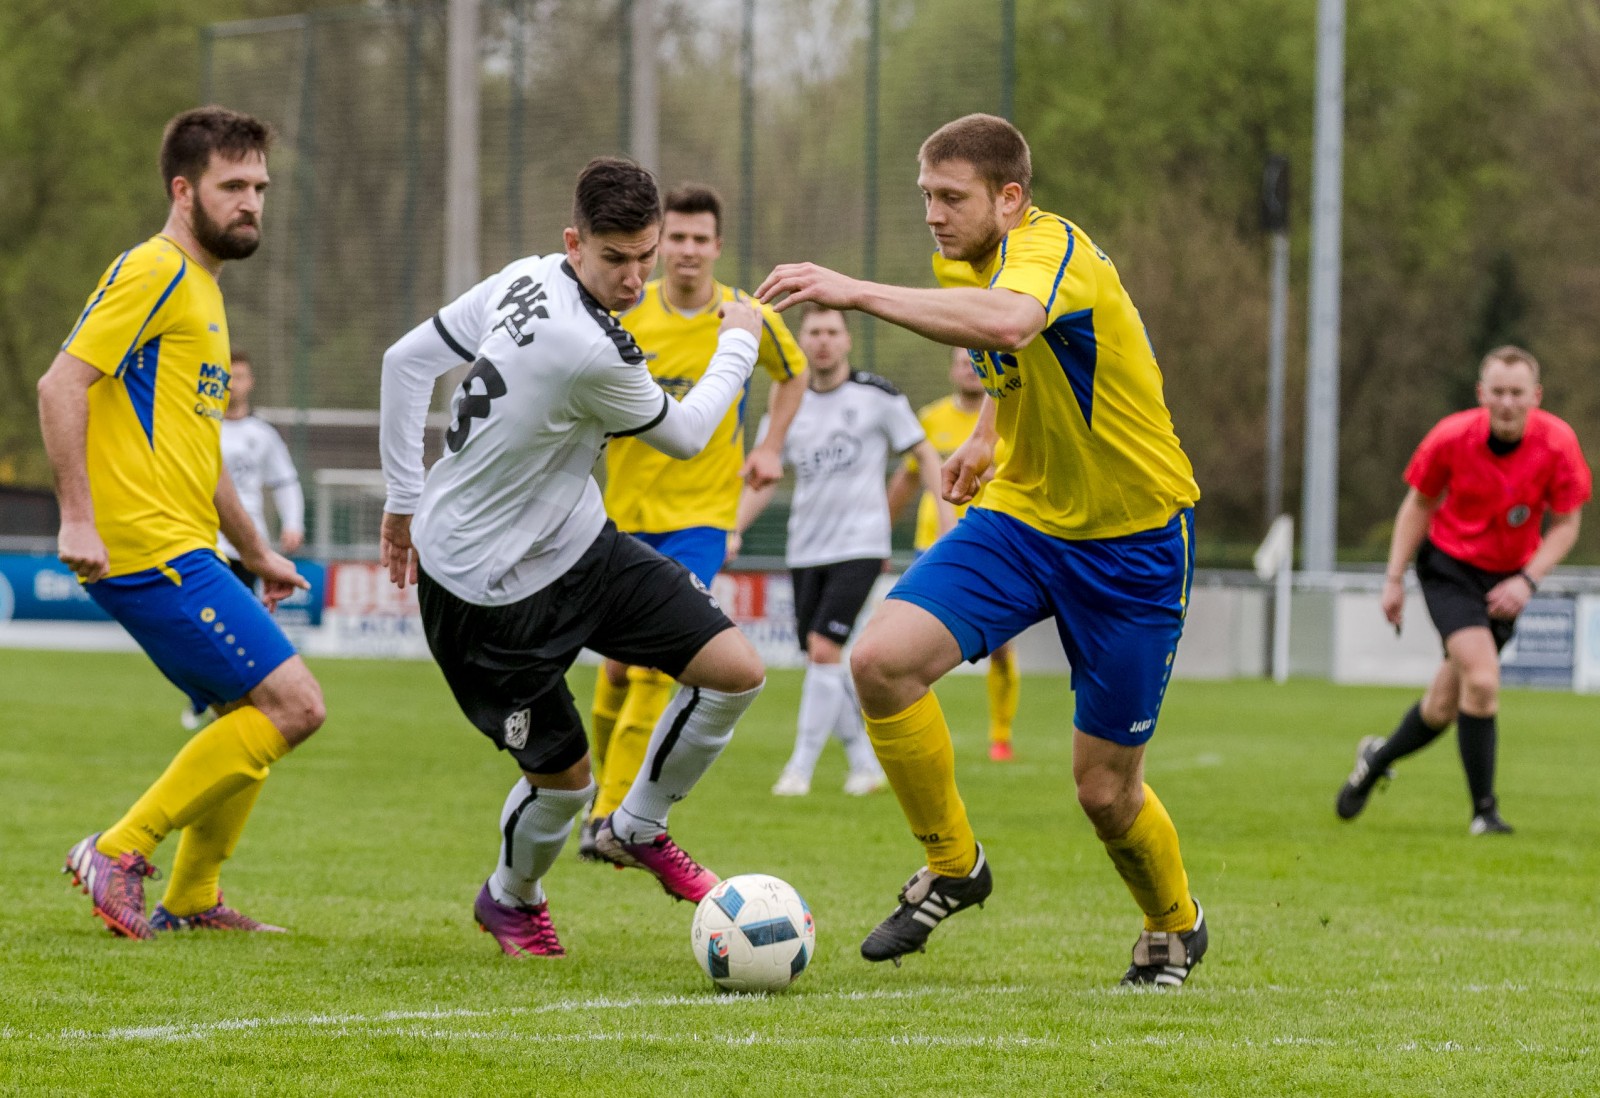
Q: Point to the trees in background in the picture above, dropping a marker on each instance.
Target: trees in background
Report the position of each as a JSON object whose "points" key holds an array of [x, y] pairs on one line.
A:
{"points": [[1471, 196]]}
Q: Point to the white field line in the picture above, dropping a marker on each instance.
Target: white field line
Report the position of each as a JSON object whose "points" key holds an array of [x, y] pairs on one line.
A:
{"points": [[199, 1030]]}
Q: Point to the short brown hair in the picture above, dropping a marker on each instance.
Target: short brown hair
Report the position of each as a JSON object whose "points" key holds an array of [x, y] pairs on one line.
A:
{"points": [[993, 146], [1511, 356], [810, 309], [615, 195], [239, 354], [696, 198], [191, 138]]}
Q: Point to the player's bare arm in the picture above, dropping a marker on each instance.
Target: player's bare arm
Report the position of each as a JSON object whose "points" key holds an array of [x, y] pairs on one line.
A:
{"points": [[957, 316], [64, 422], [395, 551], [752, 502], [931, 475], [764, 466], [1510, 596], [279, 578], [903, 487], [967, 470], [1410, 527]]}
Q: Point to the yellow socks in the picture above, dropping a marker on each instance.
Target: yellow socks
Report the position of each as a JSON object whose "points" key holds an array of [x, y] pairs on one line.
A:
{"points": [[914, 748], [1152, 867], [608, 700], [221, 760], [203, 847], [1005, 686], [649, 694]]}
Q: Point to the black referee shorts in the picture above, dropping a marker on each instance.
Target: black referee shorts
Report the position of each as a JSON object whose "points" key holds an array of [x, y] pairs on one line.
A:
{"points": [[507, 665], [1457, 594], [829, 597]]}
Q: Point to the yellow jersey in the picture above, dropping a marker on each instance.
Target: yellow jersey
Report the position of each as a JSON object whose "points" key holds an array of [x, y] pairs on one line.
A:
{"points": [[155, 328], [1091, 448], [648, 492]]}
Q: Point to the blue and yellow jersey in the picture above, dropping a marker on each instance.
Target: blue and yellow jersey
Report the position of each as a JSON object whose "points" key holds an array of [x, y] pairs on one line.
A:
{"points": [[646, 491], [1092, 451], [155, 328]]}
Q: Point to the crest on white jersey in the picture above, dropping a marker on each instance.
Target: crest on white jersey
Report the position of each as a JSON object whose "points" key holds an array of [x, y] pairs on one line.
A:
{"points": [[517, 729]]}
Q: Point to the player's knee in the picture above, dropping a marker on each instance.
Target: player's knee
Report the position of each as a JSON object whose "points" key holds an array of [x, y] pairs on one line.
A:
{"points": [[1110, 804], [301, 713], [873, 670], [742, 672], [1480, 688]]}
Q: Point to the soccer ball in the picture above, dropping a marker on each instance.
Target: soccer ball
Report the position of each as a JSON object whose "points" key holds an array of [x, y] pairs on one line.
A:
{"points": [[753, 933]]}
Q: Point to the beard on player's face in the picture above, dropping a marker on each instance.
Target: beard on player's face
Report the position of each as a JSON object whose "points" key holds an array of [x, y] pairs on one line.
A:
{"points": [[236, 241]]}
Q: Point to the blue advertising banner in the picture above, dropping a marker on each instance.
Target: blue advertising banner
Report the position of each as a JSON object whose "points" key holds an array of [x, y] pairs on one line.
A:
{"points": [[41, 588], [1543, 652]]}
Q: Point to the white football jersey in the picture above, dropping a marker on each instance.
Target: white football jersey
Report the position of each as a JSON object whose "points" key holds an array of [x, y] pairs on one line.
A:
{"points": [[512, 504], [839, 446], [258, 462]]}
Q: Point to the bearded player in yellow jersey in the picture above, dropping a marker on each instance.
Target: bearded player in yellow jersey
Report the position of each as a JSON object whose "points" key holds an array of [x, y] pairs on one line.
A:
{"points": [[1088, 520], [683, 509], [131, 410], [949, 422]]}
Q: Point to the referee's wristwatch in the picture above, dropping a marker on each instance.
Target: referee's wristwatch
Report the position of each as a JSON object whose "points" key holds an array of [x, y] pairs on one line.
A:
{"points": [[1532, 586]]}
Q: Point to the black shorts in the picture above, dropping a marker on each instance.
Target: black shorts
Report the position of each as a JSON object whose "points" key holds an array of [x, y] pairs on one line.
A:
{"points": [[507, 665], [1457, 594], [246, 577], [828, 597]]}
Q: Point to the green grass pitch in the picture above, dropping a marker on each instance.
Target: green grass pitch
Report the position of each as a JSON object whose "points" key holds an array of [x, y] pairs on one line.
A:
{"points": [[1393, 956]]}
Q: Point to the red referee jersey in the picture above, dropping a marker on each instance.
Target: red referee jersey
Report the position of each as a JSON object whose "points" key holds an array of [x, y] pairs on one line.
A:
{"points": [[1494, 506]]}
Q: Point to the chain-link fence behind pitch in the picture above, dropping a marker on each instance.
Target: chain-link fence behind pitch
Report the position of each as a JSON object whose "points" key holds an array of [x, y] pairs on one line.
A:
{"points": [[813, 150]]}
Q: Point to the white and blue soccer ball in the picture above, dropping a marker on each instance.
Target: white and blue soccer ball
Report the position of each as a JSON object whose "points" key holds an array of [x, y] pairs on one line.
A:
{"points": [[753, 933]]}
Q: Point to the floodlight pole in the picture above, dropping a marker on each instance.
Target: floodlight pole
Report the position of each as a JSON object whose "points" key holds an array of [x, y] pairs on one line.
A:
{"points": [[1275, 219], [1320, 503], [461, 256], [644, 107]]}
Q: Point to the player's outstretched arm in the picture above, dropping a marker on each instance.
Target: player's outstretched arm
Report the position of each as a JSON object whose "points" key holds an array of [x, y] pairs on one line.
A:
{"points": [[410, 368], [903, 487], [686, 426], [64, 422], [957, 316], [1410, 527]]}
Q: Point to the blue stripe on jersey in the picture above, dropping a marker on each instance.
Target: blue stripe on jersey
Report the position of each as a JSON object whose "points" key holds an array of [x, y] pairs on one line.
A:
{"points": [[1004, 240], [744, 402], [1071, 340], [89, 308], [1071, 243], [183, 268], [788, 371], [140, 381]]}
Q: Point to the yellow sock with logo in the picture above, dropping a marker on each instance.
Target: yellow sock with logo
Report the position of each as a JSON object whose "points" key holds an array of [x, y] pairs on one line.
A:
{"points": [[193, 885], [649, 693], [1152, 867], [222, 758], [1005, 686], [608, 701], [917, 757]]}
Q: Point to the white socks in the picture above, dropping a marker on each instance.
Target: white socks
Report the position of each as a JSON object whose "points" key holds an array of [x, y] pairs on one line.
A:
{"points": [[828, 703], [686, 741], [533, 827]]}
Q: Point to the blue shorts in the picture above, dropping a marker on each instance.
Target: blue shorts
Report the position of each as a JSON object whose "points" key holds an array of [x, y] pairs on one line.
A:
{"points": [[700, 549], [1119, 605], [205, 630]]}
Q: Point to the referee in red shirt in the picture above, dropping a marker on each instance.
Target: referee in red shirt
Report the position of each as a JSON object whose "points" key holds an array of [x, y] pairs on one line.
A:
{"points": [[1481, 483]]}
